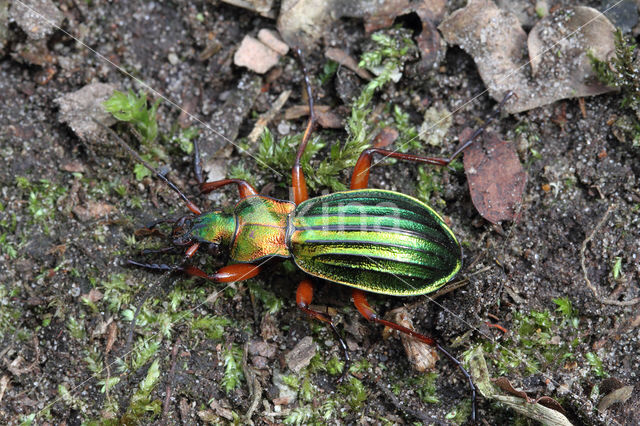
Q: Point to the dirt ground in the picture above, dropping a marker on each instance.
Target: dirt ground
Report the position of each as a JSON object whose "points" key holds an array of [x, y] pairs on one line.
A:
{"points": [[69, 210]]}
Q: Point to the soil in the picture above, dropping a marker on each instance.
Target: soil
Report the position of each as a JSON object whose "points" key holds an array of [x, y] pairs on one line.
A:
{"points": [[69, 209]]}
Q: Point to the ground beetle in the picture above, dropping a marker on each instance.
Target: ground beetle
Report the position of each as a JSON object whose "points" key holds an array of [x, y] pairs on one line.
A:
{"points": [[371, 240]]}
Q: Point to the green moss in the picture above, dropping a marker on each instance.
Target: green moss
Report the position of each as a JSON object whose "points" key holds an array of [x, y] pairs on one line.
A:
{"points": [[270, 301], [529, 347], [233, 376], [621, 71], [43, 198], [335, 366], [213, 326], [354, 392], [133, 109], [141, 402]]}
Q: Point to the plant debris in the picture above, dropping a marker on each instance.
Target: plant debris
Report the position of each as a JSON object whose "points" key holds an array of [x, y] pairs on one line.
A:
{"points": [[496, 177], [557, 48]]}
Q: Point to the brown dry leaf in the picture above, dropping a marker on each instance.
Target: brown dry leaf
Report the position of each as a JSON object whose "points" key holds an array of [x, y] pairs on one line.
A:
{"points": [[546, 401], [551, 403], [496, 177], [79, 108], [325, 117], [111, 336], [344, 59], [422, 356], [93, 296], [504, 384], [386, 137], [557, 46]]}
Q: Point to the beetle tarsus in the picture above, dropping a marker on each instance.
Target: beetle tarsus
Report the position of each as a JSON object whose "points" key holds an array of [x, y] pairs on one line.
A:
{"points": [[157, 266]]}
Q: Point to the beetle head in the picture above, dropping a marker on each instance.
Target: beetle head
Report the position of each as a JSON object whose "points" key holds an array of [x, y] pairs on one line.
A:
{"points": [[182, 228]]}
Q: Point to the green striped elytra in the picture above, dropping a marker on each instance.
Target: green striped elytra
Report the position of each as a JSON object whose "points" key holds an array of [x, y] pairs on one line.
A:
{"points": [[374, 240], [371, 240]]}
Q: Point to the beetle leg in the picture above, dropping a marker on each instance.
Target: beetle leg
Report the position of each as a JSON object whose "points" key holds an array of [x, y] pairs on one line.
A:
{"points": [[360, 300], [244, 187], [226, 274], [360, 177], [304, 295]]}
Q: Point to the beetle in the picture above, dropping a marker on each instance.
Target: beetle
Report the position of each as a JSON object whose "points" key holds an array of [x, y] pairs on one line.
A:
{"points": [[372, 240]]}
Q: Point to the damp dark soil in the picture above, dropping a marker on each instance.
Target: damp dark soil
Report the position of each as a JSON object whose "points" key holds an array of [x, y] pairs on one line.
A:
{"points": [[70, 208]]}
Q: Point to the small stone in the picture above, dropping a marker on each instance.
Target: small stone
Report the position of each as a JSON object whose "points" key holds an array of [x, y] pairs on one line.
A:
{"points": [[272, 40], [260, 362], [173, 59], [93, 210], [255, 55], [38, 18], [286, 395], [284, 128], [73, 166], [264, 349], [300, 356]]}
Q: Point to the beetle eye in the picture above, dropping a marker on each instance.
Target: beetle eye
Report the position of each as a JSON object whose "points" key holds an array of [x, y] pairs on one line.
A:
{"points": [[213, 248]]}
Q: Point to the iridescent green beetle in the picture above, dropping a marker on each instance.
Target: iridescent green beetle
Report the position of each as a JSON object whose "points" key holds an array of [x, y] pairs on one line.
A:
{"points": [[372, 240]]}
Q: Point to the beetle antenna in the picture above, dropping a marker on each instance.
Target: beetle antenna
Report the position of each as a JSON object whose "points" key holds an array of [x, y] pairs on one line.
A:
{"points": [[153, 170], [479, 131]]}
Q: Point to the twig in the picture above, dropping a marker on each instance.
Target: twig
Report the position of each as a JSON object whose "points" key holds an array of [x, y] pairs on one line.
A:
{"points": [[584, 247], [255, 390]]}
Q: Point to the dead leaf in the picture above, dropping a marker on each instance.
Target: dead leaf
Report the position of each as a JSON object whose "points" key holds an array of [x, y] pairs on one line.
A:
{"points": [[112, 334], [557, 46], [324, 116], [93, 296], [268, 327], [504, 384], [423, 357], [222, 408], [79, 108], [496, 177], [385, 137]]}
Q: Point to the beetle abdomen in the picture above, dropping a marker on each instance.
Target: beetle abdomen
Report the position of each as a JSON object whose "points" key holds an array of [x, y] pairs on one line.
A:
{"points": [[379, 241]]}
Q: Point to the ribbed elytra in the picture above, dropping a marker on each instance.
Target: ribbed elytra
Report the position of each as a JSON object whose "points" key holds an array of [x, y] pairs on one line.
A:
{"points": [[378, 241]]}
